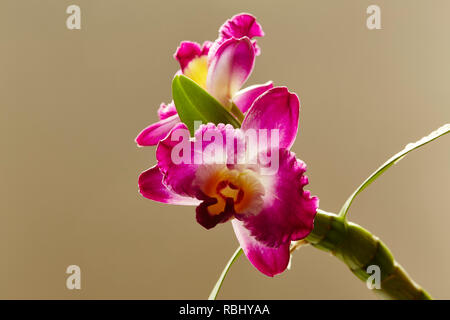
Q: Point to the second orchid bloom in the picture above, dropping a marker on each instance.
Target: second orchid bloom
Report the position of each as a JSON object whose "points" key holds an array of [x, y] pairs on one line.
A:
{"points": [[220, 67]]}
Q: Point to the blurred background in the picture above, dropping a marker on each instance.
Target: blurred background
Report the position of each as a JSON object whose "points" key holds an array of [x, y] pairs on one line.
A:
{"points": [[72, 102]]}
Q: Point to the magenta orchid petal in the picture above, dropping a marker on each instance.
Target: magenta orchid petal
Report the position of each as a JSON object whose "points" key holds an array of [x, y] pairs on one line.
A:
{"points": [[277, 109], [241, 25], [288, 211], [151, 135], [178, 175], [244, 98], [188, 50], [205, 47], [229, 68], [268, 260], [166, 110], [151, 187]]}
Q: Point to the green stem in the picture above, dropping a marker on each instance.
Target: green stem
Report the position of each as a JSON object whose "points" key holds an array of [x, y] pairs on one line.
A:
{"points": [[216, 289], [359, 249], [237, 113]]}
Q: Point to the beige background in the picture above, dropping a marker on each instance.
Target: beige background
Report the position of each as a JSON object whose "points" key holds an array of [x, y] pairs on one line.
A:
{"points": [[72, 102]]}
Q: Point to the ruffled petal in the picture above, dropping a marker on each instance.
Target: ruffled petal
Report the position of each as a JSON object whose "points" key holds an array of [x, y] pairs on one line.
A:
{"points": [[151, 187], [276, 109], [268, 260], [245, 97], [288, 211], [188, 50], [229, 68], [151, 135], [241, 25], [175, 160], [166, 110]]}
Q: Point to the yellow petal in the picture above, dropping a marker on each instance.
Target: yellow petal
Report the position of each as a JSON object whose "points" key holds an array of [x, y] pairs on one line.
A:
{"points": [[197, 70]]}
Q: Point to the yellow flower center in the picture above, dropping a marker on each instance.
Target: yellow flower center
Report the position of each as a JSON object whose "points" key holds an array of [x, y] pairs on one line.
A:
{"points": [[242, 187], [197, 70]]}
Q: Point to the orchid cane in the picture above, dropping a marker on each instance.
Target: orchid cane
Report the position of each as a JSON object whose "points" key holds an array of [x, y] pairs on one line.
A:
{"points": [[227, 152]]}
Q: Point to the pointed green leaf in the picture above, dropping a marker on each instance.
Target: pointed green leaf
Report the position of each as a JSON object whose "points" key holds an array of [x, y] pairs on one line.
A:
{"points": [[393, 160], [216, 289], [193, 103]]}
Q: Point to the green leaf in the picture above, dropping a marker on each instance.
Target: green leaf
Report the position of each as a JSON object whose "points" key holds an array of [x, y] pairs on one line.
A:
{"points": [[193, 103], [393, 160], [216, 289]]}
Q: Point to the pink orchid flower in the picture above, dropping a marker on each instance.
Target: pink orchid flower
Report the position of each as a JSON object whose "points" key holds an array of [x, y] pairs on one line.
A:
{"points": [[221, 68], [267, 211]]}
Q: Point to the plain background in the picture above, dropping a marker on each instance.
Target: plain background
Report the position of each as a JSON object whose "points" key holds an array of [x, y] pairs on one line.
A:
{"points": [[72, 102]]}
